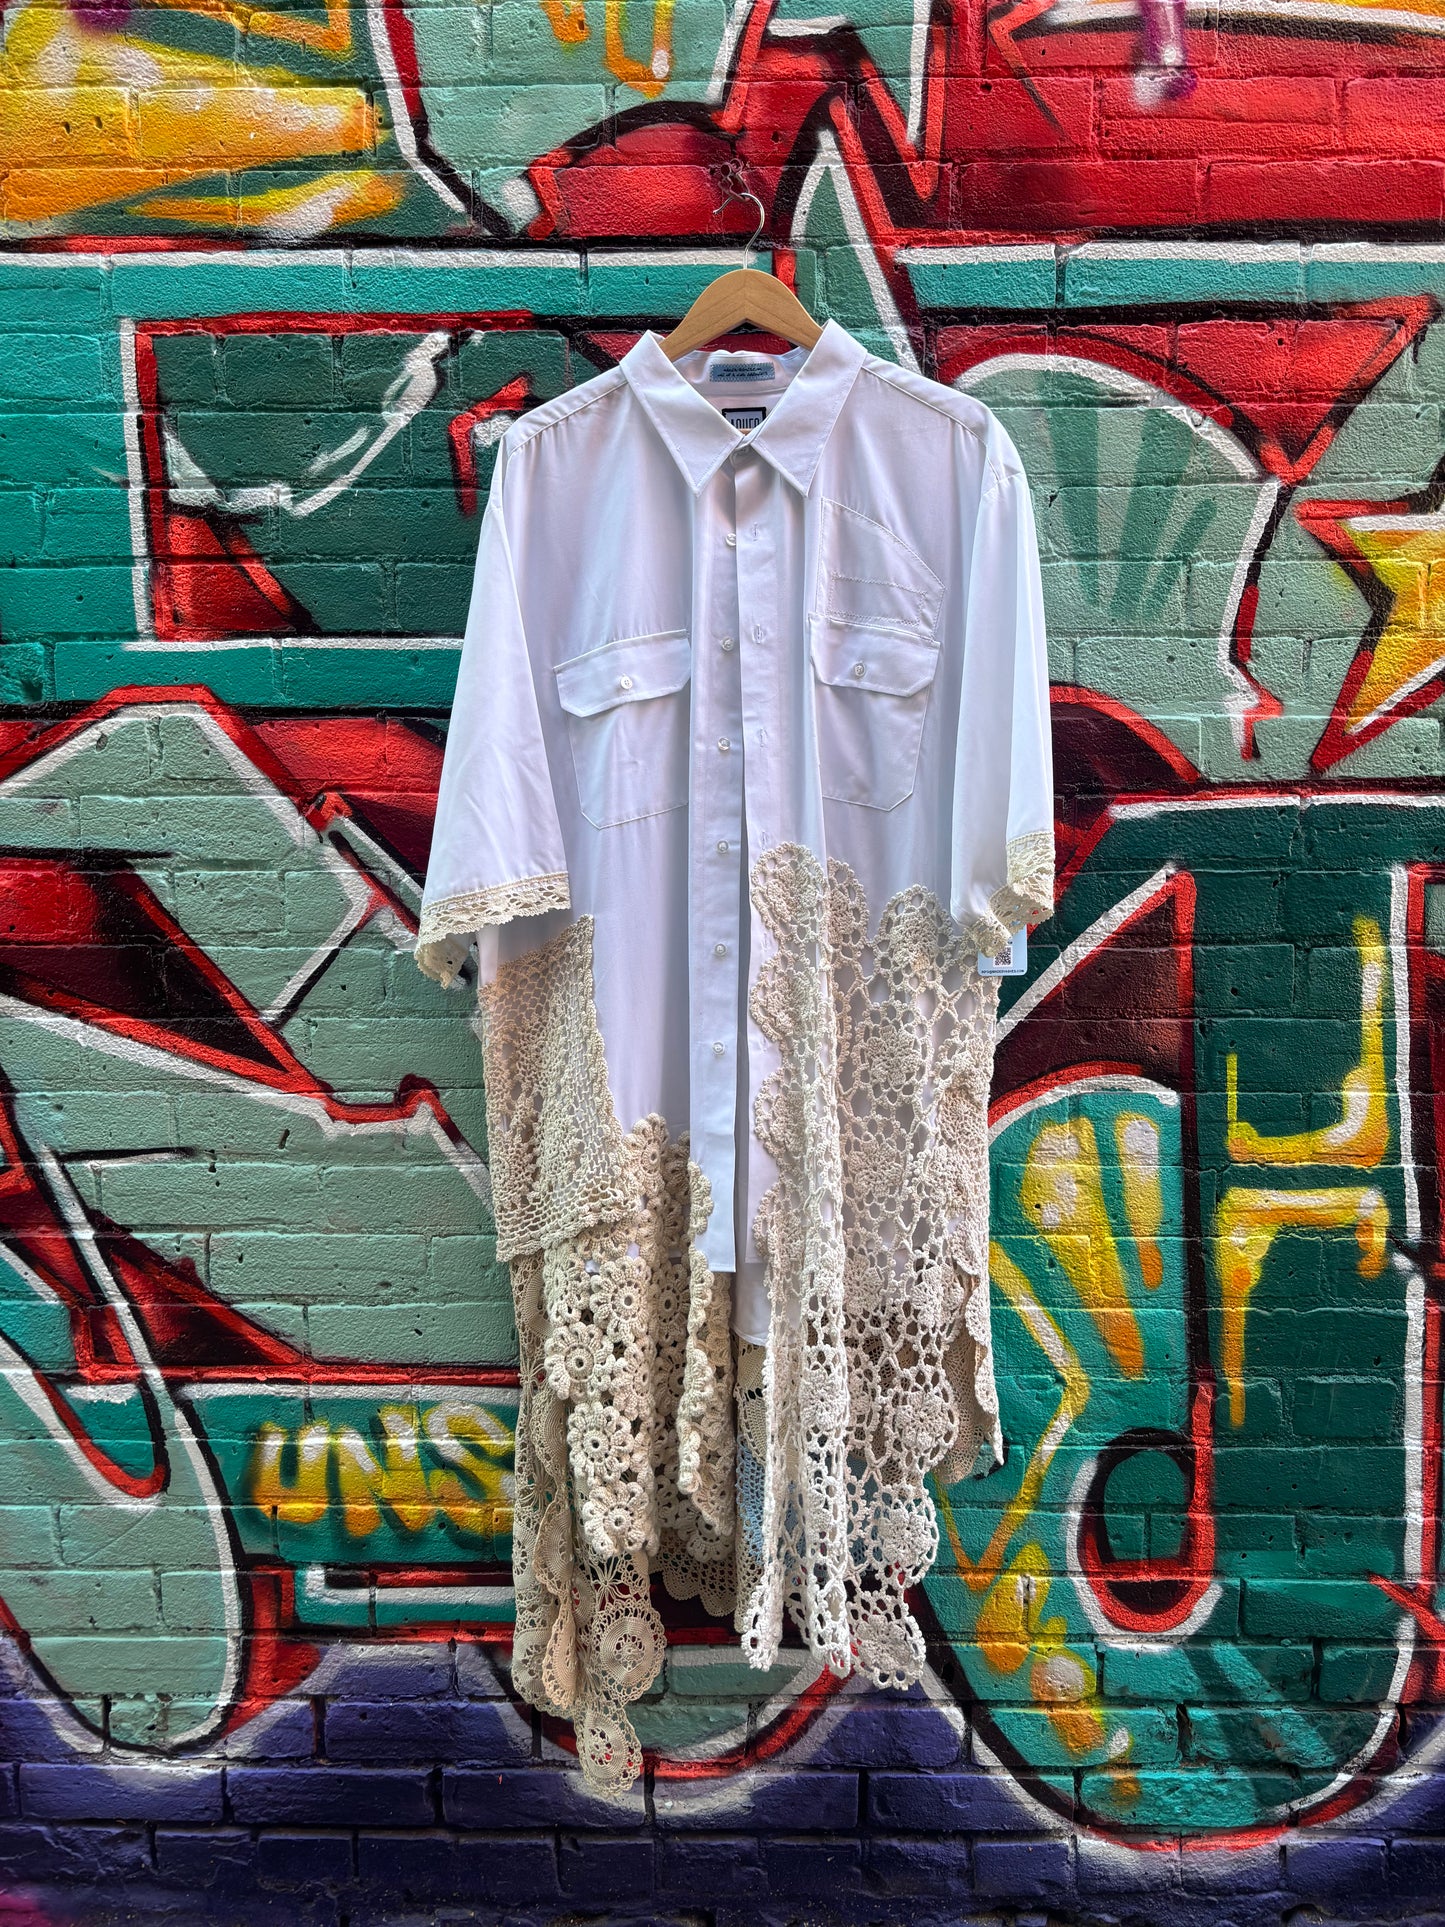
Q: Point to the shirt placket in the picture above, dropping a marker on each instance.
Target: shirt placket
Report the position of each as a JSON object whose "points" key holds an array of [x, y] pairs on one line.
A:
{"points": [[763, 670], [716, 858]]}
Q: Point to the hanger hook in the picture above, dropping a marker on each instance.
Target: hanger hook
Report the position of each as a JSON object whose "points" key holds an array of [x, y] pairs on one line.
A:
{"points": [[734, 190]]}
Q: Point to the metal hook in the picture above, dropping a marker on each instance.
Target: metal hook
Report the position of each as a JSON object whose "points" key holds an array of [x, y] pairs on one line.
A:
{"points": [[740, 193]]}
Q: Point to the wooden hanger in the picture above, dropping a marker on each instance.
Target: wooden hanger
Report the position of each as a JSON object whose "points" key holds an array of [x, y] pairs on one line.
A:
{"points": [[742, 294]]}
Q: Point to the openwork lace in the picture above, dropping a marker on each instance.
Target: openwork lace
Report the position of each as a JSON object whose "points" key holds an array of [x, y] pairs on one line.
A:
{"points": [[878, 1368], [1025, 896], [449, 925], [624, 1443]]}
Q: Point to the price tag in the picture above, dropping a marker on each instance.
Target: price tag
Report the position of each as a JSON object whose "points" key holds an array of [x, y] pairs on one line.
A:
{"points": [[1014, 962]]}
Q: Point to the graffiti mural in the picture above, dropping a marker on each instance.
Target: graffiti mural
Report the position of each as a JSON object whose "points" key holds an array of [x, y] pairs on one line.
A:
{"points": [[273, 284]]}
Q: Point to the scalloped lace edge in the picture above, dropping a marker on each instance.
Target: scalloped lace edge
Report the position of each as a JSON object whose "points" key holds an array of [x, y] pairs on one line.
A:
{"points": [[449, 925]]}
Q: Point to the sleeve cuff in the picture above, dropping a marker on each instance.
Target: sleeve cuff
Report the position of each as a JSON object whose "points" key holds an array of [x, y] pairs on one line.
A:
{"points": [[1026, 896], [449, 924]]}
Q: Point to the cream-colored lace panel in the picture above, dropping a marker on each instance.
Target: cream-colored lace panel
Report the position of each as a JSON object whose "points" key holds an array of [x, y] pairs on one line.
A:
{"points": [[624, 1440], [1025, 896], [878, 1367], [449, 925], [553, 1141]]}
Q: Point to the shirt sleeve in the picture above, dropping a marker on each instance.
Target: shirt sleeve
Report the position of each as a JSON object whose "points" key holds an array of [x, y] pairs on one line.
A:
{"points": [[496, 845], [1003, 824]]}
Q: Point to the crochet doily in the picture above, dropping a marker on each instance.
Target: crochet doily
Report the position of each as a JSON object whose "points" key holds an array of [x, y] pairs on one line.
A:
{"points": [[878, 1368]]}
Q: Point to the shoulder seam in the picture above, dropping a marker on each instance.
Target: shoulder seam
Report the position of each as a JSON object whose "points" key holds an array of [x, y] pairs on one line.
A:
{"points": [[564, 406], [997, 476]]}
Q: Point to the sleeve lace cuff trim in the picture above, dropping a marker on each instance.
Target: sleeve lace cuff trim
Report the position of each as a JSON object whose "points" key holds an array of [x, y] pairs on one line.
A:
{"points": [[449, 924], [1025, 896]]}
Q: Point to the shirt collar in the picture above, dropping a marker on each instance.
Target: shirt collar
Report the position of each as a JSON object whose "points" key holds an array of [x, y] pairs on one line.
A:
{"points": [[792, 437]]}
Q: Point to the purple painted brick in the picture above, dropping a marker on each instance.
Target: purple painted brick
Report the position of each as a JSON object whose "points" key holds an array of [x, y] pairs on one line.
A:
{"points": [[303, 1859], [803, 1802], [946, 1803], [139, 1791], [885, 1732], [534, 1796], [716, 1865], [201, 1857], [1014, 1870], [926, 1867], [73, 1853], [418, 1865], [508, 1869], [825, 1869], [335, 1795], [1329, 1867], [594, 1867], [1417, 1866], [470, 1731]]}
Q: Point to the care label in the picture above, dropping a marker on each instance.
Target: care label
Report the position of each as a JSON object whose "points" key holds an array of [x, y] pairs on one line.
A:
{"points": [[742, 371], [1014, 961], [747, 419]]}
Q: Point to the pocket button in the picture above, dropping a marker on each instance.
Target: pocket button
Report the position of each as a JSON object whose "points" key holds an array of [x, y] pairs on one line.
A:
{"points": [[624, 682], [859, 671]]}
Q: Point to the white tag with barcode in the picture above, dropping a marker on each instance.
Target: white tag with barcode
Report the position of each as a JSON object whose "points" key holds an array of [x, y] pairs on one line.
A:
{"points": [[1014, 961]]}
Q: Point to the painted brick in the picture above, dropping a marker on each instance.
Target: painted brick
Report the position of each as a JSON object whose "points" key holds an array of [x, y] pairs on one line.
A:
{"points": [[355, 1796], [596, 1867], [1023, 1869], [533, 1796], [121, 1792], [299, 1860], [945, 1803], [393, 1730]]}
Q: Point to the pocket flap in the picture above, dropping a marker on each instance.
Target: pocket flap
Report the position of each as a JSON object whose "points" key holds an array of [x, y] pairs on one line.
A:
{"points": [[630, 670], [883, 660]]}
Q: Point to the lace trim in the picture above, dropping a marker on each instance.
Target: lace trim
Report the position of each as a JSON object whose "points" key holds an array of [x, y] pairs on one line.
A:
{"points": [[618, 1319], [878, 1368], [553, 1141], [449, 925], [1026, 895]]}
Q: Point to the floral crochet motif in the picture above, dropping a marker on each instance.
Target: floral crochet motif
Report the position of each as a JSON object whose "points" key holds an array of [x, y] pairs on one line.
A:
{"points": [[617, 1321], [878, 1368]]}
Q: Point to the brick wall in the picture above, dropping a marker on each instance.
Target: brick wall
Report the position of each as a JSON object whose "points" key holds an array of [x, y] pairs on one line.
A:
{"points": [[271, 285]]}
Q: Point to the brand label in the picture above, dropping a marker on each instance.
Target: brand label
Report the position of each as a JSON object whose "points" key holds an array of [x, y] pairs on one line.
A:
{"points": [[741, 371], [747, 419]]}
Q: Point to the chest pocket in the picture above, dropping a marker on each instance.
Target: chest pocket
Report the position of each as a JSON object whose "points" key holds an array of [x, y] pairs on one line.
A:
{"points": [[874, 647], [627, 720]]}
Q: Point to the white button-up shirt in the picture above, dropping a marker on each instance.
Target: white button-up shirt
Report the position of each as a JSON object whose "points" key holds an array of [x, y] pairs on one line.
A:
{"points": [[756, 640]]}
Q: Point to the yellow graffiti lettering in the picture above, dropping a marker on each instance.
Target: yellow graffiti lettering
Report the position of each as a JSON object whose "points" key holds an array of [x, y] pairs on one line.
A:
{"points": [[476, 1495], [1246, 1225], [1065, 1361], [303, 1500], [453, 1461], [1063, 1192], [129, 115], [1013, 1632], [567, 19], [1360, 1135], [649, 77], [1136, 1142], [398, 1479]]}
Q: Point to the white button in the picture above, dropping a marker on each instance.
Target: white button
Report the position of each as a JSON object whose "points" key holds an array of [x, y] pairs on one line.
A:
{"points": [[731, 540], [719, 950], [624, 682], [758, 631], [859, 670], [724, 743], [722, 849], [727, 645], [718, 1049]]}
